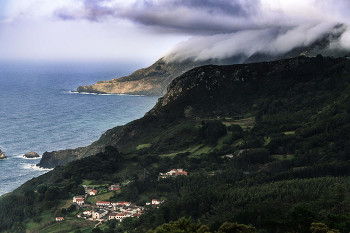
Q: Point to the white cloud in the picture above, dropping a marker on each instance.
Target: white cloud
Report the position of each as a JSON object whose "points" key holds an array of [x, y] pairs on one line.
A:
{"points": [[146, 28]]}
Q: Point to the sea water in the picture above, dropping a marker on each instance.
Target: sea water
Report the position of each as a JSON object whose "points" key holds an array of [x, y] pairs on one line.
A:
{"points": [[39, 112]]}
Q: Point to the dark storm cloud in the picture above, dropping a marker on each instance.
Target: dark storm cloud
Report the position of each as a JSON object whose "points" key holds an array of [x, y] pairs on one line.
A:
{"points": [[225, 28], [188, 16], [195, 16], [92, 10]]}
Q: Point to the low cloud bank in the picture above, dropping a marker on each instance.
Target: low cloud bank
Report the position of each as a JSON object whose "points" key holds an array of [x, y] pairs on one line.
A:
{"points": [[221, 29]]}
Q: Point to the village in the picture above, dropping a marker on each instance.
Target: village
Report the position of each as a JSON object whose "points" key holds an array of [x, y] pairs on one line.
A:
{"points": [[103, 211]]}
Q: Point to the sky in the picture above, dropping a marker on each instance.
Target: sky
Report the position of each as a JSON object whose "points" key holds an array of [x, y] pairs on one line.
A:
{"points": [[145, 30]]}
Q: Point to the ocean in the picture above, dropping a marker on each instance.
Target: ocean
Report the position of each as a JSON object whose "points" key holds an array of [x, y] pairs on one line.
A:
{"points": [[39, 112]]}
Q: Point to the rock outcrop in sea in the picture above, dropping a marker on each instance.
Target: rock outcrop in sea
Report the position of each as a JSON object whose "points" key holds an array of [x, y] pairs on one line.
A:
{"points": [[2, 155], [31, 155]]}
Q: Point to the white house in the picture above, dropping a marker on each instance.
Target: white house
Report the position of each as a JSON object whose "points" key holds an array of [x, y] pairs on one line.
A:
{"points": [[78, 200], [112, 216], [103, 203], [114, 187], [156, 202], [121, 216], [93, 192], [87, 212], [173, 172], [75, 198], [99, 214], [59, 219]]}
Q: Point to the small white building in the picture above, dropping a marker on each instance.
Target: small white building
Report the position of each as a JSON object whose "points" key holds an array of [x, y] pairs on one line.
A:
{"points": [[103, 203], [114, 187], [121, 216], [59, 219], [99, 214], [112, 216], [121, 203], [75, 198], [173, 172], [93, 192], [87, 212], [156, 202], [78, 200]]}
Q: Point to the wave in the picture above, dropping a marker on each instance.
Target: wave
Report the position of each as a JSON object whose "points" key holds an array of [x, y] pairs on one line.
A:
{"points": [[21, 156], [34, 167], [89, 93]]}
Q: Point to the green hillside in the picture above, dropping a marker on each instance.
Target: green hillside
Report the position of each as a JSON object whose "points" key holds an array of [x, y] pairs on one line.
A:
{"points": [[265, 145]]}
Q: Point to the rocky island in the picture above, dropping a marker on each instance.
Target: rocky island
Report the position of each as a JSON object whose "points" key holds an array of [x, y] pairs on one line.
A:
{"points": [[31, 155], [2, 155]]}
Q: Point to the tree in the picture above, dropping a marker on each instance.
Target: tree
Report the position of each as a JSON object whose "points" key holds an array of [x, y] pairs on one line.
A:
{"points": [[183, 225], [212, 131], [96, 230], [80, 190], [51, 193], [318, 227], [227, 227]]}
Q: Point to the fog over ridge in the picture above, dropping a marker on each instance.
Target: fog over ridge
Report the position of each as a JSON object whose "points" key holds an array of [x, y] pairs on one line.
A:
{"points": [[221, 29]]}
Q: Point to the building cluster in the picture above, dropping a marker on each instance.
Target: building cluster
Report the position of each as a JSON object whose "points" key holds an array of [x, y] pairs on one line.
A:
{"points": [[104, 210], [173, 172]]}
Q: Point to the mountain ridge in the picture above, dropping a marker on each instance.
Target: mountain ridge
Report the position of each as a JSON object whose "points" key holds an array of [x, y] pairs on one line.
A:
{"points": [[154, 79], [210, 78]]}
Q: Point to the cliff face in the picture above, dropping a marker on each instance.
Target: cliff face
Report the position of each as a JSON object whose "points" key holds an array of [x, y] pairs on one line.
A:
{"points": [[148, 81], [210, 92]]}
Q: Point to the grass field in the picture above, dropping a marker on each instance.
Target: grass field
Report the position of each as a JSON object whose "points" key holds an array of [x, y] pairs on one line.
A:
{"points": [[101, 197], [283, 157], [142, 146], [289, 133], [244, 122], [69, 225]]}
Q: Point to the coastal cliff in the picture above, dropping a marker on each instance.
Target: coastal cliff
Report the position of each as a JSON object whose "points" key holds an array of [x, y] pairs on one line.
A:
{"points": [[207, 91], [155, 79], [147, 81]]}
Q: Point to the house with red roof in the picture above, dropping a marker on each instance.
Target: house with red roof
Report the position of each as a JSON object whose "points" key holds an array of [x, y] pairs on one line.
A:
{"points": [[78, 200], [93, 192], [157, 202], [103, 203], [114, 187], [173, 172], [87, 212], [59, 219]]}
